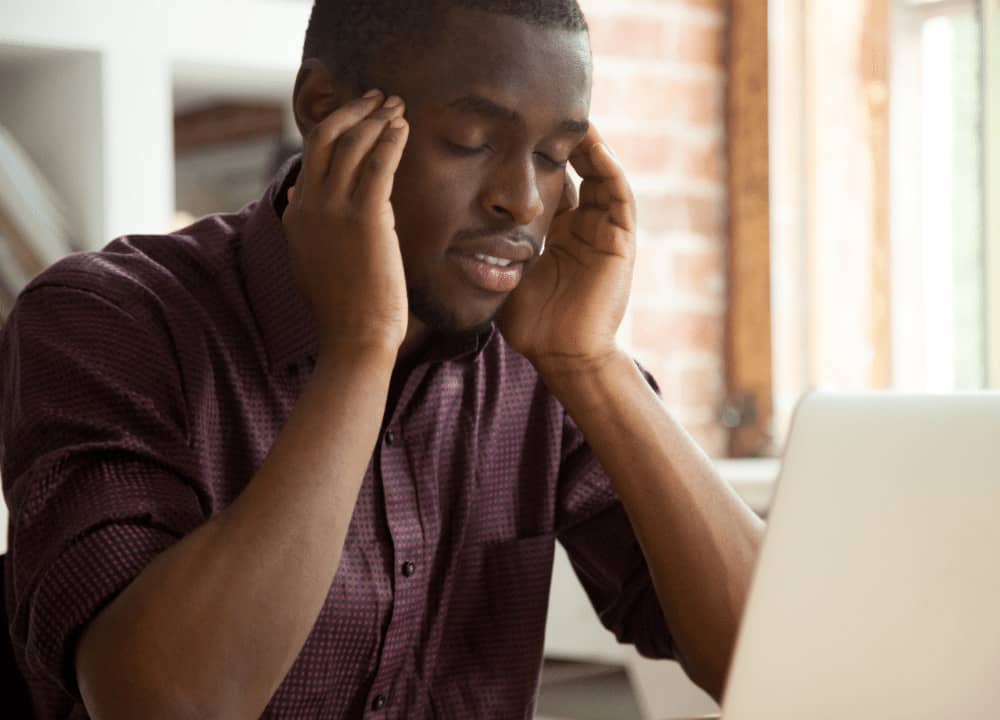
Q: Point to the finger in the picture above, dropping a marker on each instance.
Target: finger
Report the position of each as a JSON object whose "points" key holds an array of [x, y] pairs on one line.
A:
{"points": [[355, 145], [595, 193], [580, 158], [320, 141], [621, 201], [586, 221], [379, 170], [570, 198]]}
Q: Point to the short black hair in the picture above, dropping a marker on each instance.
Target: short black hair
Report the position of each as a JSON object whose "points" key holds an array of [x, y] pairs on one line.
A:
{"points": [[356, 39]]}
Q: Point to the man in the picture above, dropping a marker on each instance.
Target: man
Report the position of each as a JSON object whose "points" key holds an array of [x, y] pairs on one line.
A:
{"points": [[285, 462]]}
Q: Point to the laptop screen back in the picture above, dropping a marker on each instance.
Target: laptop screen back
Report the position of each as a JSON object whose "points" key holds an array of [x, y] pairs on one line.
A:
{"points": [[877, 593]]}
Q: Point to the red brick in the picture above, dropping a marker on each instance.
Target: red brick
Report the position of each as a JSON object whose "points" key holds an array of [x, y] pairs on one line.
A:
{"points": [[634, 37], [668, 213], [719, 5], [673, 110], [665, 332], [701, 44], [700, 273], [654, 99], [705, 162], [701, 387], [652, 272], [650, 154]]}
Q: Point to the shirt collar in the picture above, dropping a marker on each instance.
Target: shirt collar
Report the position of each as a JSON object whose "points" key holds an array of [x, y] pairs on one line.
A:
{"points": [[283, 314]]}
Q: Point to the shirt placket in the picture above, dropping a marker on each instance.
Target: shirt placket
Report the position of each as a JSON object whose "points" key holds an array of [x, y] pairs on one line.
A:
{"points": [[409, 582]]}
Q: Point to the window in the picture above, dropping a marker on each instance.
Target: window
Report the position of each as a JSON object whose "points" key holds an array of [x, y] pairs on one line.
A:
{"points": [[883, 274]]}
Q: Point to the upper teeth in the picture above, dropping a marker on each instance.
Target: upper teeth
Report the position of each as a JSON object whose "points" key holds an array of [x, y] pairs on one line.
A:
{"points": [[490, 260]]}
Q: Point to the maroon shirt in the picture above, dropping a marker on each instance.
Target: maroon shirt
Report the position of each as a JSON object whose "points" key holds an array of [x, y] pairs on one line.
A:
{"points": [[142, 387]]}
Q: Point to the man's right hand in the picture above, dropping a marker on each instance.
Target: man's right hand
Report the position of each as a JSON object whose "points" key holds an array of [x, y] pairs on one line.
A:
{"points": [[341, 230], [186, 637]]}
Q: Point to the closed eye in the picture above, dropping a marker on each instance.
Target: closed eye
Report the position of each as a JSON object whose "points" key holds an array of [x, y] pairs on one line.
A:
{"points": [[466, 151], [552, 162]]}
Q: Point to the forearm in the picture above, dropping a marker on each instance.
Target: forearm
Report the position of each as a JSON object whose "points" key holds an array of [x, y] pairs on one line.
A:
{"points": [[700, 540], [213, 625]]}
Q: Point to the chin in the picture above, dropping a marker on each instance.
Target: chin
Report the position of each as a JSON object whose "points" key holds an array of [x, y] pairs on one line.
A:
{"points": [[444, 318]]}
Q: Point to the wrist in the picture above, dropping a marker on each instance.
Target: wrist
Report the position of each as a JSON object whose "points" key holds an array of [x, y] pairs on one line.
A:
{"points": [[374, 357], [567, 377]]}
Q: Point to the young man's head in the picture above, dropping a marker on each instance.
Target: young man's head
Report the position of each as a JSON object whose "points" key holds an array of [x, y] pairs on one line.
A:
{"points": [[498, 95]]}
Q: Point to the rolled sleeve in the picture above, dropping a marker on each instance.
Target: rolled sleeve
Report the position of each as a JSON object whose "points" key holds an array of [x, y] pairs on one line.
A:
{"points": [[86, 575], [604, 551], [97, 470]]}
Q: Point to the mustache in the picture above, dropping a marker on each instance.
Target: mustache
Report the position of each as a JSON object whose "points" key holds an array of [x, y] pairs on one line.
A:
{"points": [[516, 235]]}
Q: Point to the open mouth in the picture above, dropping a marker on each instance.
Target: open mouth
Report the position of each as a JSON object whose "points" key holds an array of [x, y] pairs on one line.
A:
{"points": [[490, 260], [489, 273]]}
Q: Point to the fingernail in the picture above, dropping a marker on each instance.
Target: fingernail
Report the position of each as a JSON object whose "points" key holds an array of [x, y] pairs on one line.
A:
{"points": [[372, 94], [393, 101], [397, 123]]}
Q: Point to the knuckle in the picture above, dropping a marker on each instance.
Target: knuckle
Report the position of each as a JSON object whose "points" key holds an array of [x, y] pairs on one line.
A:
{"points": [[329, 126], [390, 140], [386, 113], [348, 140], [328, 211], [352, 215]]}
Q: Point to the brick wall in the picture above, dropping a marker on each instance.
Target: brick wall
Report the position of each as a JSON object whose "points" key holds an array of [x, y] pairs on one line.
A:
{"points": [[659, 99]]}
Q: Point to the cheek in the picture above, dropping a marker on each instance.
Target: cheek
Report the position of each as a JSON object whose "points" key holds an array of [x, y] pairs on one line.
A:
{"points": [[431, 205], [430, 194], [552, 194]]}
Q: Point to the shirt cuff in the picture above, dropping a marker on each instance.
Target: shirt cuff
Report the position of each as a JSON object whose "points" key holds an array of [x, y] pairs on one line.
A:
{"points": [[82, 581]]}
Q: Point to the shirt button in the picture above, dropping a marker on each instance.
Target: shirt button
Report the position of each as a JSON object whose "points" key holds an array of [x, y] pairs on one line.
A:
{"points": [[390, 438], [378, 703], [409, 568]]}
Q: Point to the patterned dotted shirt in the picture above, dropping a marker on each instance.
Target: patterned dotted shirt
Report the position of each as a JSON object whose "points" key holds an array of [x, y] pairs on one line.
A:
{"points": [[143, 385]]}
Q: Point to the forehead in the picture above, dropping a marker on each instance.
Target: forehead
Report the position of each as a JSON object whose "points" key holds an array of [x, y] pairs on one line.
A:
{"points": [[506, 59]]}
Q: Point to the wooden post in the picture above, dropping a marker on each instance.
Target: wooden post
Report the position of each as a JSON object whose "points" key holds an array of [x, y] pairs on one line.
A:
{"points": [[748, 323]]}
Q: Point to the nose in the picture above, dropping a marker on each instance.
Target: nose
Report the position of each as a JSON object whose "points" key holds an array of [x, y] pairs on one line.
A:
{"points": [[512, 193]]}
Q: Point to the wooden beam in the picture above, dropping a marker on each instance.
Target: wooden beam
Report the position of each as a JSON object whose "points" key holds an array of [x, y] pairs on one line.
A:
{"points": [[748, 323], [227, 122]]}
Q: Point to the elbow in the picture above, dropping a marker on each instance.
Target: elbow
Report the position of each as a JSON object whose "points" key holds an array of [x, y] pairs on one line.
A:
{"points": [[124, 695], [123, 683], [708, 671], [711, 680]]}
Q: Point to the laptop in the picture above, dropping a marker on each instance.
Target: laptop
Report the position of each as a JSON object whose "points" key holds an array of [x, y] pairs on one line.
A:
{"points": [[877, 592]]}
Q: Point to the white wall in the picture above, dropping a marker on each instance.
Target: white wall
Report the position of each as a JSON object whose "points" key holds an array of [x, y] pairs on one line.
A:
{"points": [[89, 88]]}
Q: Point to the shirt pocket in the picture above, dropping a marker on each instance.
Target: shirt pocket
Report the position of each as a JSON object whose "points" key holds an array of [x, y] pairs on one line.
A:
{"points": [[494, 629]]}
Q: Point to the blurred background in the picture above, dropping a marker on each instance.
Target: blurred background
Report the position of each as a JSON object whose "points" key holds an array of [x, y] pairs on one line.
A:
{"points": [[818, 181]]}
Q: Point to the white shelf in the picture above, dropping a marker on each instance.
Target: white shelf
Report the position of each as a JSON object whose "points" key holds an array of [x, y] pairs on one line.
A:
{"points": [[90, 90]]}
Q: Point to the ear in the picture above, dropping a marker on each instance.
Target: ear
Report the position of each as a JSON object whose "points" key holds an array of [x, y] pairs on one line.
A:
{"points": [[316, 95]]}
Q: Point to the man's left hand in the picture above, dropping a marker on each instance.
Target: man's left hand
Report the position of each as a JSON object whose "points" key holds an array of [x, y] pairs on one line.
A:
{"points": [[566, 313]]}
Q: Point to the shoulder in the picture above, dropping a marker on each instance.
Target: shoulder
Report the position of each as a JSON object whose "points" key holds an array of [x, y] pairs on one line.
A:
{"points": [[135, 270]]}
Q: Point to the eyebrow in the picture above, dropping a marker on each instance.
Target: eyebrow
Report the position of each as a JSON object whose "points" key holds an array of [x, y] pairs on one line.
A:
{"points": [[478, 105]]}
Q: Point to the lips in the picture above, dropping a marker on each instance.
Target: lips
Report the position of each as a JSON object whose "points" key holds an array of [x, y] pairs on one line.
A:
{"points": [[487, 275], [494, 264]]}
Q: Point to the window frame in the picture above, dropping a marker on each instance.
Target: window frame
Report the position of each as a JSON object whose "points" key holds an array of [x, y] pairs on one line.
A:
{"points": [[990, 14]]}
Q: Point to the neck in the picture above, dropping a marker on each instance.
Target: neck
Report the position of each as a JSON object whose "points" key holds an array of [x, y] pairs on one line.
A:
{"points": [[416, 335]]}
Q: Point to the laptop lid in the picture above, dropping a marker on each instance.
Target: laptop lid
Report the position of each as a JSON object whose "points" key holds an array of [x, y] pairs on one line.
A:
{"points": [[877, 592]]}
